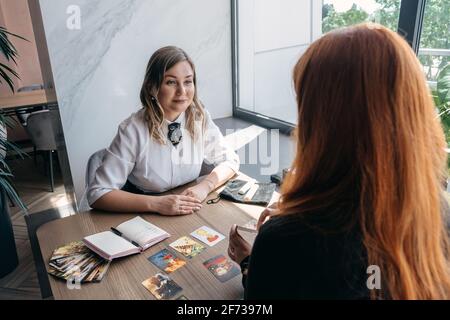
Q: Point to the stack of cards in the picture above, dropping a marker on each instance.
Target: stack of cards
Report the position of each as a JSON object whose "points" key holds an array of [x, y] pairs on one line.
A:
{"points": [[249, 226], [76, 261]]}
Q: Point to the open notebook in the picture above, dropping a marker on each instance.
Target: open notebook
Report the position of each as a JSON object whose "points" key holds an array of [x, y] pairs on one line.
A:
{"points": [[132, 236]]}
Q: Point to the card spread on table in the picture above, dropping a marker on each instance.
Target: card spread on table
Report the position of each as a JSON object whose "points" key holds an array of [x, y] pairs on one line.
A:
{"points": [[187, 247], [162, 287], [208, 235], [166, 261], [222, 268]]}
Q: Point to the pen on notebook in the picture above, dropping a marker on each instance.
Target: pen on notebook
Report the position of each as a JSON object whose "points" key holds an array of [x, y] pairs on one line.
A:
{"points": [[120, 234], [116, 231], [135, 244]]}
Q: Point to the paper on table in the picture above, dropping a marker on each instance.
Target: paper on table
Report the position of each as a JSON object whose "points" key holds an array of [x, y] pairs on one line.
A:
{"points": [[142, 232], [110, 244]]}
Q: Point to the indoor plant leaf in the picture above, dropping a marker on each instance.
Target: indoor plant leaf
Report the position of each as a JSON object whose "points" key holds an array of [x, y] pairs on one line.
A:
{"points": [[443, 85]]}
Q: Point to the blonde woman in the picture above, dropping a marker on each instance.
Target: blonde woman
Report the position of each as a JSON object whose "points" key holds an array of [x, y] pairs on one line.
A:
{"points": [[163, 146], [361, 213]]}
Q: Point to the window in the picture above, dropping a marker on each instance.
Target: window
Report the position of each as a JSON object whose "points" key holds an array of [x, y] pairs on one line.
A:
{"points": [[434, 54], [341, 13], [270, 35]]}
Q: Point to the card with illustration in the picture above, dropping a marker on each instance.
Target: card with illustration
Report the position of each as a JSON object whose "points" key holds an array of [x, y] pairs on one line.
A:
{"points": [[69, 250], [166, 261], [222, 268], [162, 287], [208, 235], [187, 247]]}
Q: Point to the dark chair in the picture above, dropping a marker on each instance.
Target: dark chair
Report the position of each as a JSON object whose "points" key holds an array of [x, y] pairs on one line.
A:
{"points": [[34, 221], [94, 162], [23, 115], [43, 127]]}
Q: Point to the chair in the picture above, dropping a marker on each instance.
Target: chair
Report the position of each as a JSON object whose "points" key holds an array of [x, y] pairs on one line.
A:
{"points": [[34, 221], [44, 128], [23, 115], [95, 160]]}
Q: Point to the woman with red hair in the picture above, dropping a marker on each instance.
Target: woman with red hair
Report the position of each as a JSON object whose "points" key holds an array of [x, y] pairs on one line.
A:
{"points": [[361, 213]]}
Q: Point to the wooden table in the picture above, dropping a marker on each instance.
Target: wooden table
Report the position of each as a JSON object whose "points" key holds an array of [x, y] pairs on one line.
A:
{"points": [[124, 277], [26, 100]]}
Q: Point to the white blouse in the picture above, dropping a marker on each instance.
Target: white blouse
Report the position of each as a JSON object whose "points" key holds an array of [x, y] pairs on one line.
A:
{"points": [[154, 167]]}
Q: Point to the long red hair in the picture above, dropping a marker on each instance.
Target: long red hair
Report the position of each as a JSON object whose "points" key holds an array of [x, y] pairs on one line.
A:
{"points": [[368, 135]]}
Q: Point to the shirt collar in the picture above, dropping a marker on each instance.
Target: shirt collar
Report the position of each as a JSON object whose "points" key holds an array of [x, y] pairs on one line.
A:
{"points": [[181, 118]]}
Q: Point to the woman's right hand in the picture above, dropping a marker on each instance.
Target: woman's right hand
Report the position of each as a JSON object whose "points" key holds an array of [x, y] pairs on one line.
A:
{"points": [[267, 213], [175, 205]]}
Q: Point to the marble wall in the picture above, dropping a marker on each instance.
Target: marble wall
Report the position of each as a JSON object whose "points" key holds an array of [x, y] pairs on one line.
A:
{"points": [[98, 68]]}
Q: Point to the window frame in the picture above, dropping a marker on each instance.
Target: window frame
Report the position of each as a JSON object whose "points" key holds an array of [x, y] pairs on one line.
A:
{"points": [[411, 17]]}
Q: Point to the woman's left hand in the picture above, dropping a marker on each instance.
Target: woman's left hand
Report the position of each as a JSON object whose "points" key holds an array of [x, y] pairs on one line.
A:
{"points": [[238, 247], [199, 191]]}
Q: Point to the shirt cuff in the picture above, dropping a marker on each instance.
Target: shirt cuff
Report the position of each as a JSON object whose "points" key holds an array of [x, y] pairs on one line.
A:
{"points": [[95, 194]]}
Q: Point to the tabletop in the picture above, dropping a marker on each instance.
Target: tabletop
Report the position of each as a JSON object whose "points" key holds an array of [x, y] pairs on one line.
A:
{"points": [[124, 278], [27, 99]]}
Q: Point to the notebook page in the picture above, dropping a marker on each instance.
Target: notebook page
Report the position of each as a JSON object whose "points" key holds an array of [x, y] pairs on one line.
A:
{"points": [[110, 243], [141, 231]]}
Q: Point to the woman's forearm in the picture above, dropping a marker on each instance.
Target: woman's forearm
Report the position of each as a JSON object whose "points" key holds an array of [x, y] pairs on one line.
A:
{"points": [[220, 175], [122, 201]]}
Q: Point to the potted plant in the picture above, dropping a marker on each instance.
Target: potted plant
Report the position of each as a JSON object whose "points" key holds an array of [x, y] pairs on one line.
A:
{"points": [[8, 252]]}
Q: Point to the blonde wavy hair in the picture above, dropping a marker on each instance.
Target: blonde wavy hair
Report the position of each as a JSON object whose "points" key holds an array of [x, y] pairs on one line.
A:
{"points": [[161, 61]]}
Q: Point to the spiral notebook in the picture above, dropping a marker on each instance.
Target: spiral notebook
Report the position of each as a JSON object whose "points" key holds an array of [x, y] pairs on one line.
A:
{"points": [[132, 236]]}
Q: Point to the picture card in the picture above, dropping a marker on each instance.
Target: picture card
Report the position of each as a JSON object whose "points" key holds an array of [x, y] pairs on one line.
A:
{"points": [[207, 235], [187, 247], [222, 268], [162, 287], [166, 261]]}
